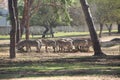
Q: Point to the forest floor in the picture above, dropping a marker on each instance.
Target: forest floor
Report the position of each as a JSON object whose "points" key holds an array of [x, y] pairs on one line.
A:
{"points": [[106, 68]]}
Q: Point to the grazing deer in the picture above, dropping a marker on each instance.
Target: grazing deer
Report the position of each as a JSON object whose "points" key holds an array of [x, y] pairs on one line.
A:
{"points": [[29, 44], [88, 45], [82, 44], [79, 43], [49, 43], [64, 44]]}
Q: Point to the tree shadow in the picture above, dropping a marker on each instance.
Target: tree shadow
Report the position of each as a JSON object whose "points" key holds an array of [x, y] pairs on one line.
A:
{"points": [[89, 60]]}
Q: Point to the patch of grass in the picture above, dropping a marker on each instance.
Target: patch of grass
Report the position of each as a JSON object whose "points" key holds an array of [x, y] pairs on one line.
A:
{"points": [[59, 34], [58, 67], [4, 37], [68, 34]]}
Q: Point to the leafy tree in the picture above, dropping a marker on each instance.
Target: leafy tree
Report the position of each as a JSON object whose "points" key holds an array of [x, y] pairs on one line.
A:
{"points": [[27, 8], [51, 14], [105, 12], [77, 15], [32, 8]]}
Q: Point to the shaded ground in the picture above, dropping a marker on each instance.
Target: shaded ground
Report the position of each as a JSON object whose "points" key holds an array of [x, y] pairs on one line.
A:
{"points": [[60, 66]]}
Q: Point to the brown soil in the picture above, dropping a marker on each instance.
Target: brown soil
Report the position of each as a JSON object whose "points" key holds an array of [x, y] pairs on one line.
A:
{"points": [[71, 78]]}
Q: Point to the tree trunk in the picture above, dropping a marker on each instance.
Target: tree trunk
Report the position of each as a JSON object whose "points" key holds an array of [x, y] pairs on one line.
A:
{"points": [[118, 27], [46, 30], [93, 34], [28, 7], [109, 29], [51, 31], [101, 29], [18, 27], [27, 10], [12, 13], [27, 19], [23, 21]]}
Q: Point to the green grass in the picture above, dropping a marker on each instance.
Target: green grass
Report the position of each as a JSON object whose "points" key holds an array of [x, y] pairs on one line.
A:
{"points": [[58, 34], [4, 36], [58, 67], [63, 34]]}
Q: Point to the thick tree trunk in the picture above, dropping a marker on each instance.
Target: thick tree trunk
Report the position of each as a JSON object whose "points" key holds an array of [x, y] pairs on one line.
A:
{"points": [[93, 34], [12, 13], [101, 29], [46, 30]]}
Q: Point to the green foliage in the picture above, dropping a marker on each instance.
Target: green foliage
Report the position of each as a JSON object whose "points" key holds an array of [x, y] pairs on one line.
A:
{"points": [[105, 11], [53, 12], [20, 8]]}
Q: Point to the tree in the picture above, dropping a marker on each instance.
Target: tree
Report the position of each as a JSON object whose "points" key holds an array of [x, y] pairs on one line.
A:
{"points": [[77, 16], [94, 38], [51, 14], [27, 8], [12, 12], [105, 12], [17, 20]]}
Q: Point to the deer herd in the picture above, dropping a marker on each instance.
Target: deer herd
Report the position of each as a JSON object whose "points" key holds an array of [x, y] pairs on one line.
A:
{"points": [[57, 45]]}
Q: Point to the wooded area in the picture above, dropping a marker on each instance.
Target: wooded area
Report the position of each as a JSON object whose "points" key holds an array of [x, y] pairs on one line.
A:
{"points": [[72, 53], [26, 17]]}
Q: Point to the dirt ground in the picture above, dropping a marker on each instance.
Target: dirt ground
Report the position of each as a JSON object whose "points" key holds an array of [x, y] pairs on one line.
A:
{"points": [[110, 51], [71, 78]]}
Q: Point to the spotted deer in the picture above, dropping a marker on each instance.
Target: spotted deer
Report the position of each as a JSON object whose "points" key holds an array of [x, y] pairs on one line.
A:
{"points": [[49, 43], [64, 45], [82, 44], [29, 44], [79, 43]]}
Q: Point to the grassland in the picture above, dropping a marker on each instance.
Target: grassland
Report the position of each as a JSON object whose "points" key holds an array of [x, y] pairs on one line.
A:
{"points": [[46, 65], [58, 34], [29, 65], [74, 64]]}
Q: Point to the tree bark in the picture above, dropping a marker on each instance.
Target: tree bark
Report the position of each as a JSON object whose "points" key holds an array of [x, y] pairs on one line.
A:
{"points": [[101, 29], [27, 19], [18, 27], [93, 34], [27, 13], [11, 5]]}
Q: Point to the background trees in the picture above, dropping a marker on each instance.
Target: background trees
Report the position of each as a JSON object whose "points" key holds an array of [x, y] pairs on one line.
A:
{"points": [[51, 13], [105, 12]]}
